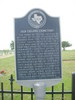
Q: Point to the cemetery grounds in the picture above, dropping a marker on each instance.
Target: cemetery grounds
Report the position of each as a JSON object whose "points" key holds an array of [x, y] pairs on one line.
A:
{"points": [[7, 67]]}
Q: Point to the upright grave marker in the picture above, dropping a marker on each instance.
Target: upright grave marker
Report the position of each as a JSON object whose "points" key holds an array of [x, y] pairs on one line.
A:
{"points": [[38, 49]]}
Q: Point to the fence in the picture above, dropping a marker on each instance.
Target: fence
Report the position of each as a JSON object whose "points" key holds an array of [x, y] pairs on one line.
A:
{"points": [[12, 92]]}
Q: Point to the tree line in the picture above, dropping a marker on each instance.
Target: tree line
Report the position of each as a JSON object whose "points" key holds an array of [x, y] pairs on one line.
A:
{"points": [[65, 44]]}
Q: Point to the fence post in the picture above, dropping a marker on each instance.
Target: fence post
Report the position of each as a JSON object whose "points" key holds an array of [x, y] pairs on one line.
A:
{"points": [[73, 86], [2, 91], [31, 93], [52, 92], [11, 82], [62, 91], [21, 92]]}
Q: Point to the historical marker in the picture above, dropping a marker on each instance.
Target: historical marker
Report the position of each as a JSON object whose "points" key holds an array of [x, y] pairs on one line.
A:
{"points": [[38, 49]]}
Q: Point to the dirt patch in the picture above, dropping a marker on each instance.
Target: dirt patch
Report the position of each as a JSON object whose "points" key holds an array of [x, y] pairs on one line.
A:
{"points": [[68, 60]]}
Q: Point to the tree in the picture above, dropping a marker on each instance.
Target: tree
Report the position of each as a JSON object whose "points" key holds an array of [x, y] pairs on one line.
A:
{"points": [[12, 45], [65, 44]]}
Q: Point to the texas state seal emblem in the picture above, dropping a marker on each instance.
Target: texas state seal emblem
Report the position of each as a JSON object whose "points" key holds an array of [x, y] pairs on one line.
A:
{"points": [[37, 19]]}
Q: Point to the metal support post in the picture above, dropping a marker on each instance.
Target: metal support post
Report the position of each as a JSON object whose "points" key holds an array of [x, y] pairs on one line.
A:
{"points": [[39, 90]]}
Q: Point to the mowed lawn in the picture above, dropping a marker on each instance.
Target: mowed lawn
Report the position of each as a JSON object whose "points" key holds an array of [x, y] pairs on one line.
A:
{"points": [[68, 66]]}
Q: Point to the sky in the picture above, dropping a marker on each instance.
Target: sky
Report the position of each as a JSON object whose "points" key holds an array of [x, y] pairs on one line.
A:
{"points": [[11, 9]]}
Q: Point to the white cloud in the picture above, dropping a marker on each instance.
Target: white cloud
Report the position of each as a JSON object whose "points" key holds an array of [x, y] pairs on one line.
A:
{"points": [[10, 9]]}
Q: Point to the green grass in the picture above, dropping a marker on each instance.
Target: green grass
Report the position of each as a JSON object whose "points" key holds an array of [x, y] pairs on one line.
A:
{"points": [[68, 55], [68, 65], [7, 64]]}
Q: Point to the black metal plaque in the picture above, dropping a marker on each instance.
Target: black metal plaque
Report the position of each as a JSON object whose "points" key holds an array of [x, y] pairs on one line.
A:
{"points": [[37, 46]]}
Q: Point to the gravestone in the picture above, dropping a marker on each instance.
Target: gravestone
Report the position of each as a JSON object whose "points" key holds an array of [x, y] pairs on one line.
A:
{"points": [[38, 49]]}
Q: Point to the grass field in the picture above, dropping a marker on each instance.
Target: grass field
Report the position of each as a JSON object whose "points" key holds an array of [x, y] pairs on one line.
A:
{"points": [[68, 64]]}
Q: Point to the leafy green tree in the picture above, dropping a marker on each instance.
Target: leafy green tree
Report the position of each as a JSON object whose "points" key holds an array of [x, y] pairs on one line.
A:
{"points": [[12, 45], [65, 44]]}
